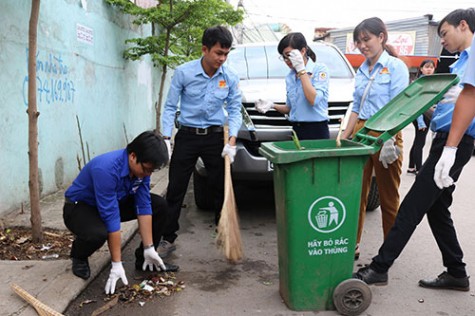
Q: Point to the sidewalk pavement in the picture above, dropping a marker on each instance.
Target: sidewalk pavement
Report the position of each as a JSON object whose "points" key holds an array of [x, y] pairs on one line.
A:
{"points": [[52, 281]]}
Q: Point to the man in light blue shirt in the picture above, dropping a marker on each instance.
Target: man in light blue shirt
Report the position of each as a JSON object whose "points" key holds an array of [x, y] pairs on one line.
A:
{"points": [[429, 194], [462, 123], [208, 93]]}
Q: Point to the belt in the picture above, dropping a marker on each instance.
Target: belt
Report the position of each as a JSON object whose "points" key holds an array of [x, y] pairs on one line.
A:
{"points": [[201, 131], [444, 135], [308, 123], [68, 201]]}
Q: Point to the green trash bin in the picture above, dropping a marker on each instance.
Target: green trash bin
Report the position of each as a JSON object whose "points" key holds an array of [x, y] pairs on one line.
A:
{"points": [[317, 197]]}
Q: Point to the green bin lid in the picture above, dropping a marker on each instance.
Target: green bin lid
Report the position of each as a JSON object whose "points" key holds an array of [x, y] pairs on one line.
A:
{"points": [[286, 151], [403, 109]]}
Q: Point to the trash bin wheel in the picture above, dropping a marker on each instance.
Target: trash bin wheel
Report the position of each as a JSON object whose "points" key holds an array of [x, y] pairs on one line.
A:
{"points": [[352, 297]]}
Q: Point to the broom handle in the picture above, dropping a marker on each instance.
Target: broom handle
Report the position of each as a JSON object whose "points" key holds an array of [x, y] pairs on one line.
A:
{"points": [[227, 163], [41, 308]]}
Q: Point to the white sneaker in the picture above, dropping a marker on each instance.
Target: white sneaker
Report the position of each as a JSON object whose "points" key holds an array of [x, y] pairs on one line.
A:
{"points": [[165, 248]]}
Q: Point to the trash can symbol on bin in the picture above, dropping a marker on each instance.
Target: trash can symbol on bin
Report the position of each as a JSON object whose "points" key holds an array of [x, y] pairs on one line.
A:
{"points": [[326, 214], [322, 219]]}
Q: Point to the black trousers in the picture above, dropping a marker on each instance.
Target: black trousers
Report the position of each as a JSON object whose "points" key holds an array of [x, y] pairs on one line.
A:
{"points": [[90, 231], [188, 147], [415, 155], [425, 197], [311, 130]]}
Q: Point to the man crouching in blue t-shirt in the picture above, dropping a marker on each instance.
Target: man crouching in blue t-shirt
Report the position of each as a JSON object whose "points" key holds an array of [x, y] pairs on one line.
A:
{"points": [[113, 188]]}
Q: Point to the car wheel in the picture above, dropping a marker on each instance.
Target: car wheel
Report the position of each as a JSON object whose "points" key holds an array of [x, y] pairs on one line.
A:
{"points": [[373, 196], [203, 196]]}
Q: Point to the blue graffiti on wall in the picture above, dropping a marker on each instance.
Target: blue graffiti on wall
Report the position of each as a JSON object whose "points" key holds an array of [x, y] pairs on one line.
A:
{"points": [[52, 82]]}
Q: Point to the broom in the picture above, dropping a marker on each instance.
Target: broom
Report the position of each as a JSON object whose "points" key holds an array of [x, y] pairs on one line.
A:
{"points": [[41, 308], [228, 238]]}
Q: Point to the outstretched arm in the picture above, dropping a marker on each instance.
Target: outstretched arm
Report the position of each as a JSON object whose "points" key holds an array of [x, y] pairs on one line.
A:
{"points": [[463, 115]]}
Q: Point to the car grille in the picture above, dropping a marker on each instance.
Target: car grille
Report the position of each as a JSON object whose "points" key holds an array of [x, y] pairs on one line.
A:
{"points": [[336, 111]]}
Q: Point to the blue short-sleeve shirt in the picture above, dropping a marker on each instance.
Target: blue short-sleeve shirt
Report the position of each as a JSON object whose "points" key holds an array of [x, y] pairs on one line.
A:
{"points": [[300, 109], [469, 77], [390, 76], [106, 180], [442, 118]]}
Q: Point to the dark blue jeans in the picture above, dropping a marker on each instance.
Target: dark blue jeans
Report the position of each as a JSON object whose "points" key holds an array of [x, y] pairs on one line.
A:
{"points": [[423, 198]]}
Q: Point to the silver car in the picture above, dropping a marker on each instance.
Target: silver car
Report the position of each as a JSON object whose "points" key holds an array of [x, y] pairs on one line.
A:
{"points": [[262, 76]]}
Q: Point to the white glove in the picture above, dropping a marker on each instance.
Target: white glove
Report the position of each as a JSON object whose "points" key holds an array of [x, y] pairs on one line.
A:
{"points": [[389, 153], [169, 149], [230, 151], [296, 59], [117, 272], [152, 259], [262, 106], [451, 95], [442, 168]]}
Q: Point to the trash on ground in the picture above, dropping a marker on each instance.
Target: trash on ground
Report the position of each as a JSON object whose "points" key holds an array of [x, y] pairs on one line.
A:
{"points": [[160, 284], [52, 256], [85, 302], [114, 300]]}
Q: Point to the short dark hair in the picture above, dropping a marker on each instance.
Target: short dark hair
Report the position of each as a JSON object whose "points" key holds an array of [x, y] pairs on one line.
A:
{"points": [[217, 34], [149, 148], [295, 40], [455, 17]]}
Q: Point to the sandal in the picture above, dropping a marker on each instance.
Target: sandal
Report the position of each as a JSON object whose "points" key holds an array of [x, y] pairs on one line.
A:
{"points": [[357, 252]]}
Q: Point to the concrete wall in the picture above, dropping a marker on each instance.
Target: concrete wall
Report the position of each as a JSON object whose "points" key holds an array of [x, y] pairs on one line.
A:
{"points": [[81, 76]]}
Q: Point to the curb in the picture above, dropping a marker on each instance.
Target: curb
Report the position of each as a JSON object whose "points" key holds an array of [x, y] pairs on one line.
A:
{"points": [[52, 282]]}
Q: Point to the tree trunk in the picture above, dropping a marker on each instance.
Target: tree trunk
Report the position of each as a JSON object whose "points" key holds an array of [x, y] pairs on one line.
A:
{"points": [[160, 98], [37, 230], [158, 109]]}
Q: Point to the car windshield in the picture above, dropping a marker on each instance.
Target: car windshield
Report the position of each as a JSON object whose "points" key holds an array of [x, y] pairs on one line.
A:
{"points": [[260, 62]]}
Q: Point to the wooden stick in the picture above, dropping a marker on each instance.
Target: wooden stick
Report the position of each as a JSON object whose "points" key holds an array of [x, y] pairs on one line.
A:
{"points": [[40, 308], [338, 136]]}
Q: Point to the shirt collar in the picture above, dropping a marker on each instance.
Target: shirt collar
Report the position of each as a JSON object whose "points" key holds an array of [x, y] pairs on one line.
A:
{"points": [[198, 69], [382, 61], [125, 171], [463, 56]]}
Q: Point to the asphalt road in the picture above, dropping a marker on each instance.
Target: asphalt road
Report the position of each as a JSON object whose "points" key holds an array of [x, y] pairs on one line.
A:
{"points": [[215, 287]]}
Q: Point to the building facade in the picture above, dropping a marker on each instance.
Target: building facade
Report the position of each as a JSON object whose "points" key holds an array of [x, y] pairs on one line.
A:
{"points": [[91, 100]]}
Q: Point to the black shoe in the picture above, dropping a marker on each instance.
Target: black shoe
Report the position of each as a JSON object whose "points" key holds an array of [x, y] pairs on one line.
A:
{"points": [[369, 276], [446, 281], [81, 268]]}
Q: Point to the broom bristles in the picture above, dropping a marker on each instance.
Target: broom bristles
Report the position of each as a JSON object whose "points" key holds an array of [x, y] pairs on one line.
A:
{"points": [[228, 238], [40, 308]]}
